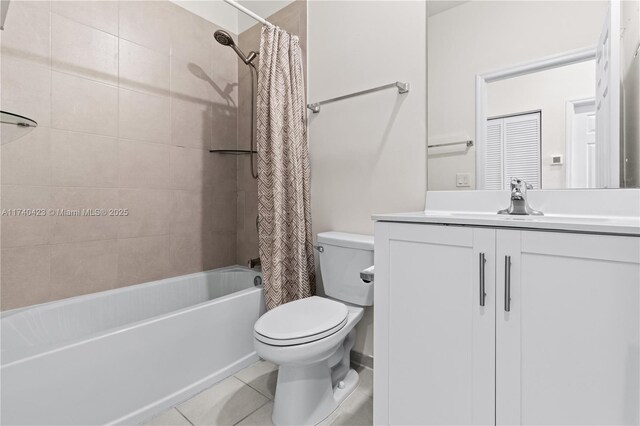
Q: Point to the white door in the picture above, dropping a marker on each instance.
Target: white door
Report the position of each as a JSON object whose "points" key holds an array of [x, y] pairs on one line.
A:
{"points": [[608, 100], [437, 349], [567, 341], [581, 149]]}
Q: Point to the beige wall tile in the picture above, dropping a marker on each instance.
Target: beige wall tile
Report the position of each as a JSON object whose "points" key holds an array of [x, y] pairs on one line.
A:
{"points": [[28, 161], [83, 227], [84, 51], [143, 259], [146, 23], [26, 33], [26, 89], [191, 124], [188, 252], [221, 251], [144, 117], [224, 134], [191, 81], [188, 168], [143, 69], [83, 159], [83, 268], [191, 212], [143, 164], [191, 37], [24, 230], [102, 15], [83, 105], [25, 276], [103, 88], [150, 212], [222, 212]]}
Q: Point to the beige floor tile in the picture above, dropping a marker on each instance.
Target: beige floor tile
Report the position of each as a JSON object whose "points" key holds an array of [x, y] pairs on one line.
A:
{"points": [[356, 410], [260, 417], [366, 380], [262, 376], [359, 413], [169, 418], [226, 403]]}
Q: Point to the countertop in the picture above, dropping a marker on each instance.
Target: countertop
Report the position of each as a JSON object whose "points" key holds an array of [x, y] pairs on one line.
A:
{"points": [[616, 225]]}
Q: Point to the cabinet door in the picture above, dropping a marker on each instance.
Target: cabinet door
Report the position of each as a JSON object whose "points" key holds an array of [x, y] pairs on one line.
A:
{"points": [[567, 346], [437, 345]]}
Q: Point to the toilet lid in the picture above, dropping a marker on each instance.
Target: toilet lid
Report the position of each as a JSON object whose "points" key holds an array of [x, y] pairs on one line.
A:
{"points": [[301, 321]]}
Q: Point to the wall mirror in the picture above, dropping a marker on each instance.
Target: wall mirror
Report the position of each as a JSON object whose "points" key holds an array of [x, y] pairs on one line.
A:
{"points": [[546, 91]]}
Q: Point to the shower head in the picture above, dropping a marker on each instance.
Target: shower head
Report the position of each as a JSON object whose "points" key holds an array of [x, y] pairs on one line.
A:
{"points": [[225, 39]]}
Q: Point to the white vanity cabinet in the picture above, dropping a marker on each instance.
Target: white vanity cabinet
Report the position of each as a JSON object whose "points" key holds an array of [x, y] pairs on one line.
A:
{"points": [[562, 349]]}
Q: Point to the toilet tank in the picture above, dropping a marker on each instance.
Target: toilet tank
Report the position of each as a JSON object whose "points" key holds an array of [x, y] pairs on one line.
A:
{"points": [[342, 257]]}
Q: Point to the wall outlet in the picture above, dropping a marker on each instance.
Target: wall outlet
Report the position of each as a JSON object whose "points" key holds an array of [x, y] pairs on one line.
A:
{"points": [[463, 180]]}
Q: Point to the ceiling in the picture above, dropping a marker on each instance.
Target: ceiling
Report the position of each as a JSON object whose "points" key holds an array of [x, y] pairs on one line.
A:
{"points": [[228, 17]]}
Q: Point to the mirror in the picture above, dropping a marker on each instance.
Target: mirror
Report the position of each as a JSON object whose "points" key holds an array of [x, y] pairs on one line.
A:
{"points": [[547, 91]]}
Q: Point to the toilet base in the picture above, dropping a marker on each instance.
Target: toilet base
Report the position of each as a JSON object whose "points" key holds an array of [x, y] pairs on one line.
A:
{"points": [[305, 395]]}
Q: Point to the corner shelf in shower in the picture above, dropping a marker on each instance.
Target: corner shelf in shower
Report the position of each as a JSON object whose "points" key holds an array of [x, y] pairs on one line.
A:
{"points": [[15, 126], [233, 151]]}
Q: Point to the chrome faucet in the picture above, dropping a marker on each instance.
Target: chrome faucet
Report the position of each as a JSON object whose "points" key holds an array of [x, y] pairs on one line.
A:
{"points": [[519, 204]]}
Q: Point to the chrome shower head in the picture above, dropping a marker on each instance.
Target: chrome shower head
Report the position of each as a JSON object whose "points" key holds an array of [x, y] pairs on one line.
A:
{"points": [[225, 39]]}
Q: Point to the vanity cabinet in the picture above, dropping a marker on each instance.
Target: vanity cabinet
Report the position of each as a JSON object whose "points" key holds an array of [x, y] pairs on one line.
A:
{"points": [[479, 325]]}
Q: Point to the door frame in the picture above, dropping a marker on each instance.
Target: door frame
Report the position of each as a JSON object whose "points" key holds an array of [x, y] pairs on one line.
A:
{"points": [[482, 80], [570, 113]]}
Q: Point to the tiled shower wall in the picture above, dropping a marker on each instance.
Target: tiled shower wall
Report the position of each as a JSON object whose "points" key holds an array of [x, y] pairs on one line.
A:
{"points": [[129, 97], [292, 18]]}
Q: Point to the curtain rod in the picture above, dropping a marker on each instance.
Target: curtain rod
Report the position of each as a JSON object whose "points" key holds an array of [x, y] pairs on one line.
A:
{"points": [[243, 9]]}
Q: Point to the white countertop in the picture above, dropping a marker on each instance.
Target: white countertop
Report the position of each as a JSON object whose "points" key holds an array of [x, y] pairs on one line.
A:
{"points": [[610, 211], [591, 224]]}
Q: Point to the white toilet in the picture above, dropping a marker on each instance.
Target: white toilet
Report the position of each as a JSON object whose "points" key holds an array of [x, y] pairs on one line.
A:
{"points": [[311, 339]]}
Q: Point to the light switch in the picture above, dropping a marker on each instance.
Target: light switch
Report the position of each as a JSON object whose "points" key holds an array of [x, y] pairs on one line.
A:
{"points": [[463, 180]]}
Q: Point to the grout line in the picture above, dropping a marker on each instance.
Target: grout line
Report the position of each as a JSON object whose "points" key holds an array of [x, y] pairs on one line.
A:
{"points": [[255, 389], [183, 415], [248, 415]]}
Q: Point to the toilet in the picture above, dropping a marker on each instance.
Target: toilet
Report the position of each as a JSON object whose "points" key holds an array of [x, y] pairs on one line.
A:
{"points": [[311, 339]]}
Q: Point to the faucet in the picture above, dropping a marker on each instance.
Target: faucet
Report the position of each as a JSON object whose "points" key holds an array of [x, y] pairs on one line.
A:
{"points": [[254, 262], [519, 204]]}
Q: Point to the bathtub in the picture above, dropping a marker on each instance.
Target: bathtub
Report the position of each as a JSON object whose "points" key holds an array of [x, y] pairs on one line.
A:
{"points": [[122, 356]]}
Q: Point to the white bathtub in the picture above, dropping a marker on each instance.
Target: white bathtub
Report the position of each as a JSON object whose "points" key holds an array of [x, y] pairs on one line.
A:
{"points": [[121, 356]]}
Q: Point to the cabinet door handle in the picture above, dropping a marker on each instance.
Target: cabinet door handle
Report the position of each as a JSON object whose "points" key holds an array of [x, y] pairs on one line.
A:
{"points": [[483, 295], [507, 283]]}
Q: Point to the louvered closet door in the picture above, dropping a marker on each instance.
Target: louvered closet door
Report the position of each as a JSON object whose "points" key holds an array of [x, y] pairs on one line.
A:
{"points": [[522, 149], [493, 174], [513, 149]]}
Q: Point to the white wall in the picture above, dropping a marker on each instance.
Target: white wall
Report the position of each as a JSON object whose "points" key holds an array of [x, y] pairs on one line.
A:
{"points": [[549, 91], [367, 153], [483, 36]]}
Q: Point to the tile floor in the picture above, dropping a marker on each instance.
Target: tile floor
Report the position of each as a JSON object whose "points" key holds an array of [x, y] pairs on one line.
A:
{"points": [[247, 399]]}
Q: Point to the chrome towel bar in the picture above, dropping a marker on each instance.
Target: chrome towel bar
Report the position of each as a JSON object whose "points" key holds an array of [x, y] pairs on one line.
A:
{"points": [[468, 143], [402, 88]]}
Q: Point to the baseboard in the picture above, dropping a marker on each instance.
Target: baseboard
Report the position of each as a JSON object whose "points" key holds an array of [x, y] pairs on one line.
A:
{"points": [[361, 360]]}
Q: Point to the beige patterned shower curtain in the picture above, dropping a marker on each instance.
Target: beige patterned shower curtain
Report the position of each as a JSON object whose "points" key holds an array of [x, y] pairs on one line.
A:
{"points": [[284, 207]]}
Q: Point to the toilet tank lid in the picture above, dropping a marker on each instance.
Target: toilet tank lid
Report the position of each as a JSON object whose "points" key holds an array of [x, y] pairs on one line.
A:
{"points": [[343, 239]]}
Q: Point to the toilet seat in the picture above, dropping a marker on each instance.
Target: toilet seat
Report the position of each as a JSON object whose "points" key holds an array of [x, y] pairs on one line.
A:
{"points": [[302, 321]]}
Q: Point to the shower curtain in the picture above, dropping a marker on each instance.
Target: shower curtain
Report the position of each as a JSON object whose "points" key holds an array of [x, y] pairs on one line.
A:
{"points": [[284, 207]]}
